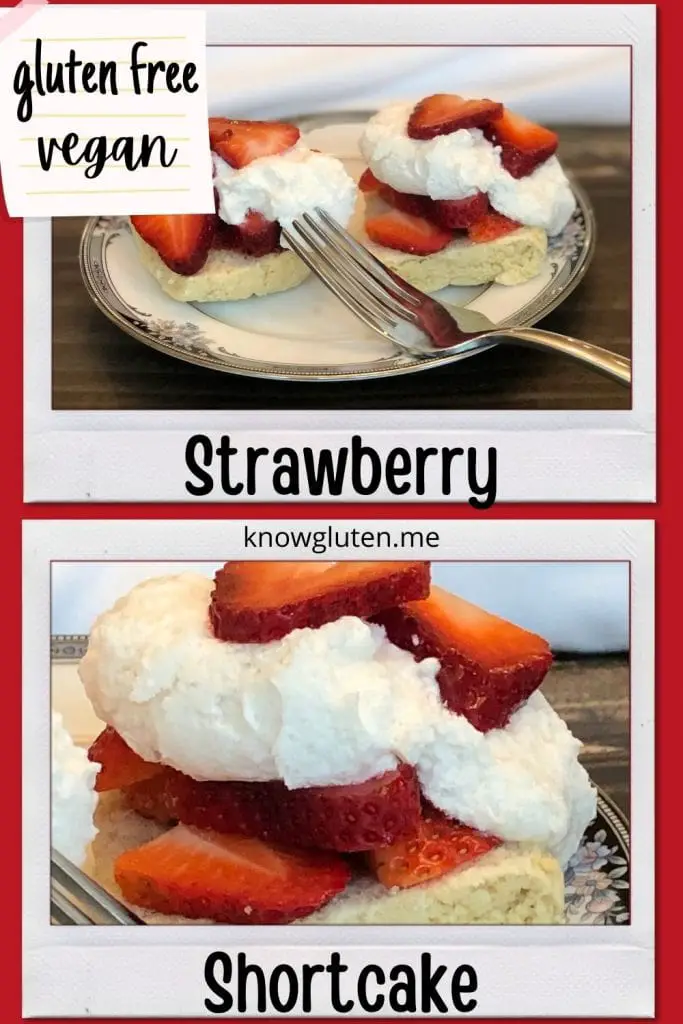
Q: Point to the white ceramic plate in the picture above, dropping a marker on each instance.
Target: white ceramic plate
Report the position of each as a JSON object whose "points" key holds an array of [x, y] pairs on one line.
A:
{"points": [[305, 333], [597, 877]]}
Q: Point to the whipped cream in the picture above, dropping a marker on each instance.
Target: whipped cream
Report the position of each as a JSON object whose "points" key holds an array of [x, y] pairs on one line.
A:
{"points": [[456, 166], [324, 706], [73, 796], [285, 186]]}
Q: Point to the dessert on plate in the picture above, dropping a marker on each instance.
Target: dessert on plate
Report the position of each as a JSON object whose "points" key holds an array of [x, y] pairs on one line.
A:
{"points": [[263, 176], [461, 192], [328, 743]]}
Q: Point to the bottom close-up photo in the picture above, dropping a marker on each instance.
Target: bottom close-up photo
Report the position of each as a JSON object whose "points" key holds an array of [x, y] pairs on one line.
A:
{"points": [[340, 743]]}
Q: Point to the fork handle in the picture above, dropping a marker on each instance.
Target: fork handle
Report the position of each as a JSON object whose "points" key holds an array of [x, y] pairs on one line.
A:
{"points": [[601, 359]]}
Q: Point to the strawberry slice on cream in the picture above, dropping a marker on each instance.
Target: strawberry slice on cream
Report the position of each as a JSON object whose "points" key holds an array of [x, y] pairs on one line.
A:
{"points": [[264, 177], [478, 175]]}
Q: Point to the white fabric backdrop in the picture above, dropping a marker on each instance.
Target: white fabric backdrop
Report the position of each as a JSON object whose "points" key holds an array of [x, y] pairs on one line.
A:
{"points": [[577, 606], [580, 84]]}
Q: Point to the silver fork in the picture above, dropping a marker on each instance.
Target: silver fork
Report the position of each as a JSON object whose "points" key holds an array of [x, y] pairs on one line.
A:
{"points": [[76, 899], [411, 320]]}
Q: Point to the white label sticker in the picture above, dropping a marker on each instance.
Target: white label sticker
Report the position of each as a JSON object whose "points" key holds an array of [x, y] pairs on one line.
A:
{"points": [[105, 112]]}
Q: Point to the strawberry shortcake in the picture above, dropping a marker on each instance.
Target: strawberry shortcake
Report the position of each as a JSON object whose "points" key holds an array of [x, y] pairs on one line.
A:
{"points": [[328, 743], [461, 192], [264, 177]]}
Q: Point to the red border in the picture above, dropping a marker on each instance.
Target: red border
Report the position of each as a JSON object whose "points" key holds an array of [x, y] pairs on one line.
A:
{"points": [[669, 704], [11, 425]]}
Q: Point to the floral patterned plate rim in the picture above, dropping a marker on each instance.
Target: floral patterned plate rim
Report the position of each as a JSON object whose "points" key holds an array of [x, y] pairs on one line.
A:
{"points": [[306, 334], [597, 879]]}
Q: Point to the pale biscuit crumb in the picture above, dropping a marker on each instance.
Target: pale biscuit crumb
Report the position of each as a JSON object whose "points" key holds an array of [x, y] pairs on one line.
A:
{"points": [[515, 884], [226, 276], [509, 260]]}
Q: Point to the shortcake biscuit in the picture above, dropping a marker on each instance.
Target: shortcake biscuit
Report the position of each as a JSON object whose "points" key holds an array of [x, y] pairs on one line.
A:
{"points": [[511, 259], [226, 276]]}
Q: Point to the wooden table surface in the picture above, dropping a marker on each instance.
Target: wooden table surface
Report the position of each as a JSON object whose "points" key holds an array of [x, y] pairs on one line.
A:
{"points": [[97, 366], [592, 696]]}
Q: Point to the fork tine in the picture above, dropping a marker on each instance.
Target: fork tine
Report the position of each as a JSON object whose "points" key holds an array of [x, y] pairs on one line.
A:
{"points": [[360, 255], [76, 894], [65, 909], [340, 268], [58, 915], [382, 325], [337, 263], [353, 269]]}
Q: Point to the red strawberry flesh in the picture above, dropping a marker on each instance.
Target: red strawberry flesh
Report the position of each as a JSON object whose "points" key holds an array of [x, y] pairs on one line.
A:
{"points": [[418, 206], [241, 142], [450, 214], [524, 145], [255, 236], [438, 846], [457, 214], [347, 819], [444, 113], [490, 227], [219, 127], [256, 602], [229, 879], [407, 233], [368, 182], [182, 241], [447, 215], [372, 186], [489, 667], [119, 765]]}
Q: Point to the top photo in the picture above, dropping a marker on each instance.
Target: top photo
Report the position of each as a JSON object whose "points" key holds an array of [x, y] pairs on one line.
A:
{"points": [[395, 228]]}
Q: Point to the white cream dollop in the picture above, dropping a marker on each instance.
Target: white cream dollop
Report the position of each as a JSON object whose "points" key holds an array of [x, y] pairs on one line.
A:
{"points": [[324, 706], [456, 166], [73, 795], [284, 187]]}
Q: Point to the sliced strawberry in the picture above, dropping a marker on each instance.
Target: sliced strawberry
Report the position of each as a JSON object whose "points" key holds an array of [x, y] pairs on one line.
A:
{"points": [[460, 213], [255, 236], [162, 797], [399, 230], [445, 113], [230, 879], [182, 240], [368, 182], [524, 144], [119, 765], [255, 602], [227, 237], [241, 142], [491, 226], [452, 214], [259, 236], [489, 667], [344, 818], [440, 845], [218, 127], [370, 185], [418, 206]]}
